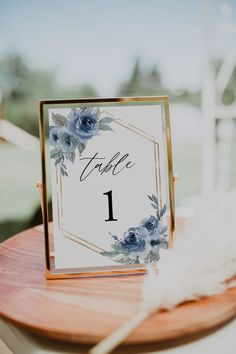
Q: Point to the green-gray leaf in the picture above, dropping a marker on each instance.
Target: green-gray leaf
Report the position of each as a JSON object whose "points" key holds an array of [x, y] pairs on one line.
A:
{"points": [[114, 236], [165, 228], [106, 120], [63, 165], [96, 111], [120, 258], [154, 198], [116, 247], [81, 147], [154, 206], [58, 161], [70, 156], [59, 120], [164, 243], [153, 256], [88, 110], [136, 260], [105, 127], [109, 253], [163, 210], [56, 153]]}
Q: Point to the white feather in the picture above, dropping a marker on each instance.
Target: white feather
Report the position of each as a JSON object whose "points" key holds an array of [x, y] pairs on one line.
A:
{"points": [[202, 259]]}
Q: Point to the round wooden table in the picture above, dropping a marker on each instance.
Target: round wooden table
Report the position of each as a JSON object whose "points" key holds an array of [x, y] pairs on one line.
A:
{"points": [[86, 310]]}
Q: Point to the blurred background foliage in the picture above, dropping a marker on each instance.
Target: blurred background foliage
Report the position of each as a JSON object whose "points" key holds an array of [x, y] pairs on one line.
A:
{"points": [[22, 86]]}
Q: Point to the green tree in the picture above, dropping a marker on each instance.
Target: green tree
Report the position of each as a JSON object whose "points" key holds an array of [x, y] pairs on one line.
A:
{"points": [[149, 82], [22, 87], [141, 83]]}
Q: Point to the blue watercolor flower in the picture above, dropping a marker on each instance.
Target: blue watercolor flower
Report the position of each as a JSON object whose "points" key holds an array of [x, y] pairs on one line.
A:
{"points": [[133, 240], [54, 135], [142, 244], [150, 224], [67, 141], [83, 123], [73, 132]]}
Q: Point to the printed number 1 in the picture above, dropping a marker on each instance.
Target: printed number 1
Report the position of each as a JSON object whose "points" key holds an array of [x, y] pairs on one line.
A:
{"points": [[110, 206]]}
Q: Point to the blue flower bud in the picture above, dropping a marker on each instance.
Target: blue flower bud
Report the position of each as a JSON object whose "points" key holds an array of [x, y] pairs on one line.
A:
{"points": [[150, 224]]}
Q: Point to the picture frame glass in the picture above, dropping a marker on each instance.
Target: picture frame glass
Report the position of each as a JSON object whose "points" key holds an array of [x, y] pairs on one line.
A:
{"points": [[107, 169]]}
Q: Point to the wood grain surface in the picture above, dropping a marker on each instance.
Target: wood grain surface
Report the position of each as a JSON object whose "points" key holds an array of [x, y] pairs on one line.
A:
{"points": [[87, 310]]}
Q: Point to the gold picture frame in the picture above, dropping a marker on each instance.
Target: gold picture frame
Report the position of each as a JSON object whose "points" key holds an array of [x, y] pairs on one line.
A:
{"points": [[51, 272]]}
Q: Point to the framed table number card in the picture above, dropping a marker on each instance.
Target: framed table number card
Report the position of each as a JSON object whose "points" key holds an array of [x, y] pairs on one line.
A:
{"points": [[107, 167]]}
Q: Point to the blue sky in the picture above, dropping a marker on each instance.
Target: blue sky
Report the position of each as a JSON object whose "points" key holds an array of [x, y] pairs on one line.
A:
{"points": [[96, 41]]}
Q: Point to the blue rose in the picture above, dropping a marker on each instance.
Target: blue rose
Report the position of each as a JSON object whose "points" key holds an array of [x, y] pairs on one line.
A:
{"points": [[83, 123], [54, 135], [133, 240], [67, 141], [150, 224]]}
